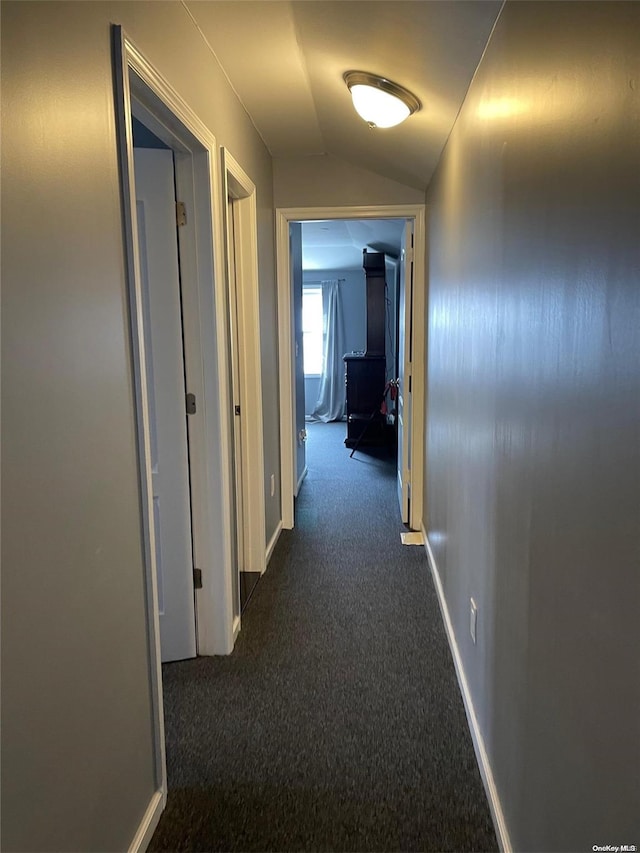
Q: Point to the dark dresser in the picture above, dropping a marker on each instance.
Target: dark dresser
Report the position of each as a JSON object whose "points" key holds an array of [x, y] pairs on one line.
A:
{"points": [[365, 371], [364, 378]]}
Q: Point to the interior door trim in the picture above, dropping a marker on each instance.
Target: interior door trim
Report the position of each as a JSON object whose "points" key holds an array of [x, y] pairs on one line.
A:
{"points": [[140, 88], [284, 216]]}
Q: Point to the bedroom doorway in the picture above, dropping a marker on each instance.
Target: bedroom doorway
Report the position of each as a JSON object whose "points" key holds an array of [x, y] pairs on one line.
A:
{"points": [[292, 279]]}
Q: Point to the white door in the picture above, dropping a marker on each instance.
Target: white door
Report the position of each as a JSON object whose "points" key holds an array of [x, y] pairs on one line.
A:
{"points": [[404, 372], [295, 251], [160, 274], [236, 410]]}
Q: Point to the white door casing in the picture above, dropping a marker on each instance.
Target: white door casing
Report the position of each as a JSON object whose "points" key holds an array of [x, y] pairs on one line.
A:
{"points": [[160, 279], [244, 322], [140, 89], [235, 416], [286, 351], [204, 313], [405, 367], [146, 94]]}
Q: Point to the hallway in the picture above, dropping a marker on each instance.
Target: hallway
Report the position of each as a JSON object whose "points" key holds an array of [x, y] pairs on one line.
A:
{"points": [[337, 723]]}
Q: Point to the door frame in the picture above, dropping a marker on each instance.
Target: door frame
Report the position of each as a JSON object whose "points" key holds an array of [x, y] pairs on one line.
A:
{"points": [[284, 216], [239, 187], [141, 90]]}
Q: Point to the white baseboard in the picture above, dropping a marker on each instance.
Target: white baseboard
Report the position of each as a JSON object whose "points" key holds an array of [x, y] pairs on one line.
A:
{"points": [[272, 543], [148, 823], [302, 476], [236, 628], [482, 758]]}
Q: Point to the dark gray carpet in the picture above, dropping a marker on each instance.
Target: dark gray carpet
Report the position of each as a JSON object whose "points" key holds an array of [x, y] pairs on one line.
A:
{"points": [[337, 723]]}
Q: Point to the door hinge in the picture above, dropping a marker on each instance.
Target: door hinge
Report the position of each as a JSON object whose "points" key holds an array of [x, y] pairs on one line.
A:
{"points": [[197, 578], [181, 213], [236, 409], [191, 404]]}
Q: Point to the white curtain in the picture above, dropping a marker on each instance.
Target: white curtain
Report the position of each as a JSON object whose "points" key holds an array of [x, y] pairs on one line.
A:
{"points": [[331, 404]]}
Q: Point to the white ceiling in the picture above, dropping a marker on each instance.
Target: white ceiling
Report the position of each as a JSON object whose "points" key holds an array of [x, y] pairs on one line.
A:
{"points": [[338, 244], [285, 59]]}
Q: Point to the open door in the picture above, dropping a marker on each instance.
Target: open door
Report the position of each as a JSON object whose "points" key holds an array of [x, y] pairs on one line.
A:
{"points": [[295, 244], [404, 401], [160, 279]]}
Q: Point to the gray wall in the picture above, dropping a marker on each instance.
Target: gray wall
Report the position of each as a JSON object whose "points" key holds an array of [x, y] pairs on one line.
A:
{"points": [[532, 482], [77, 760], [324, 180]]}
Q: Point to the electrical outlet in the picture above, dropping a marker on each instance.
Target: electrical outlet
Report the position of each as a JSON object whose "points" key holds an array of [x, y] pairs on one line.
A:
{"points": [[473, 619], [273, 485]]}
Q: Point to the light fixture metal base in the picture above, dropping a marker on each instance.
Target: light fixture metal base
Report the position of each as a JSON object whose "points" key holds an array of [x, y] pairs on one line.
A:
{"points": [[365, 78]]}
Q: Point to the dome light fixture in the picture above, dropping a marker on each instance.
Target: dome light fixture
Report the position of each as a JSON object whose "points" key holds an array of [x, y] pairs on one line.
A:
{"points": [[380, 102]]}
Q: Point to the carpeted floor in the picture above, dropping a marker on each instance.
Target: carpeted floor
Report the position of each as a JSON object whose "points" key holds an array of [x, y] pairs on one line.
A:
{"points": [[337, 723]]}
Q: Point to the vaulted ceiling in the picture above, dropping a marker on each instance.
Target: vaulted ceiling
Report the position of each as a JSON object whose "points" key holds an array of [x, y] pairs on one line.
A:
{"points": [[337, 244], [285, 59]]}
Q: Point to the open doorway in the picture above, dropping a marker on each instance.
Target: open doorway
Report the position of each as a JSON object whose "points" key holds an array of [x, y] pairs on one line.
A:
{"points": [[332, 250], [349, 337], [401, 355]]}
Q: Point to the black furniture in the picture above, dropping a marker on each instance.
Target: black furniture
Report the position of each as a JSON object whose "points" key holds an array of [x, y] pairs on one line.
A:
{"points": [[364, 378], [365, 371]]}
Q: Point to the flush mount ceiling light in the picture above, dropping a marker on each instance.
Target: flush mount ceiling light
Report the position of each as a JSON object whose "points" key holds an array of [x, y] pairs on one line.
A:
{"points": [[380, 102]]}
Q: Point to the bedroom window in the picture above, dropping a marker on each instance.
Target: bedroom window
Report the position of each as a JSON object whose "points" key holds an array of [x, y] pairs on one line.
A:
{"points": [[312, 328]]}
